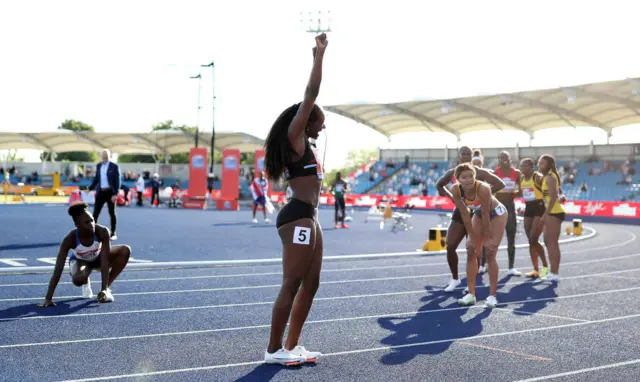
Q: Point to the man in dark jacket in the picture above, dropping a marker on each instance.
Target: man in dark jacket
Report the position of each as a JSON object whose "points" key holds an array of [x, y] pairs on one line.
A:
{"points": [[107, 185]]}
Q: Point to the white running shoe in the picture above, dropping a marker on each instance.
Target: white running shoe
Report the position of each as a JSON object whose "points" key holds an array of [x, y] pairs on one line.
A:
{"points": [[467, 300], [453, 284], [551, 277], [86, 289], [267, 221], [514, 272], [254, 220], [310, 356], [491, 302], [482, 269], [105, 296], [284, 358]]}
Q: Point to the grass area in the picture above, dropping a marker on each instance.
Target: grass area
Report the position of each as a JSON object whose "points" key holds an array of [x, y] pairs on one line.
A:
{"points": [[34, 199]]}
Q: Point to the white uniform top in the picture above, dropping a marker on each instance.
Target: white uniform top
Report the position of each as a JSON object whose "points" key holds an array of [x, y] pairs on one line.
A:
{"points": [[84, 253]]}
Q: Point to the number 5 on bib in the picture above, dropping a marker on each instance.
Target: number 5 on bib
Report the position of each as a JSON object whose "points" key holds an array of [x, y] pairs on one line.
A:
{"points": [[302, 235]]}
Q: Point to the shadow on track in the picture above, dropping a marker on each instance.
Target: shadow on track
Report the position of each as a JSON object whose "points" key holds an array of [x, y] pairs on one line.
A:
{"points": [[31, 310]]}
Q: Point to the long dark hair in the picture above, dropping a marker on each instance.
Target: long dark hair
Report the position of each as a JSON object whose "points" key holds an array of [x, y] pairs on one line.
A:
{"points": [[278, 150], [551, 161]]}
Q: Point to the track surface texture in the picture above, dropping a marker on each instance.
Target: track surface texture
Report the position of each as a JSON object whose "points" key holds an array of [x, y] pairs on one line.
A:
{"points": [[374, 319]]}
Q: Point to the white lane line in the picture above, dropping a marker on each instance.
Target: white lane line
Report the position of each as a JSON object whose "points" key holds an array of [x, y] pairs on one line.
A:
{"points": [[541, 314], [507, 351], [203, 290], [278, 260], [518, 260], [621, 277], [580, 371], [367, 350], [330, 320], [316, 299], [332, 299]]}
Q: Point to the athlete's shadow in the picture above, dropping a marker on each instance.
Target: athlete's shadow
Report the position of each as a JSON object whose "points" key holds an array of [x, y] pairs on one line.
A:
{"points": [[32, 310], [28, 246], [530, 297], [435, 328], [265, 372]]}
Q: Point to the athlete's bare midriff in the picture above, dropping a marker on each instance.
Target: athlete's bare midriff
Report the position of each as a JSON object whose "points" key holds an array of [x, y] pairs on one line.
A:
{"points": [[306, 189]]}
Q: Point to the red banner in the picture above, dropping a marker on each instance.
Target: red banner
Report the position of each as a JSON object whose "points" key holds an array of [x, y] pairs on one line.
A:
{"points": [[574, 207], [197, 172], [230, 180]]}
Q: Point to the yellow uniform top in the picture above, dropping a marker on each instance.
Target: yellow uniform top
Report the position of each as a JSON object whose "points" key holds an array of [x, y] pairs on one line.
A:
{"points": [[530, 190], [557, 207]]}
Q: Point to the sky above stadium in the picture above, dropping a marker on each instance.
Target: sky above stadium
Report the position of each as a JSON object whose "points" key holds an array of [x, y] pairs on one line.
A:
{"points": [[125, 66]]}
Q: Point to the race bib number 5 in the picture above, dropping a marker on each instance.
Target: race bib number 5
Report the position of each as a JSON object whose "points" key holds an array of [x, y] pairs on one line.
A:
{"points": [[302, 235]]}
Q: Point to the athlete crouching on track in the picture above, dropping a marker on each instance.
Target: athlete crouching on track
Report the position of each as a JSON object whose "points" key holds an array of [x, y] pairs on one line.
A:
{"points": [[456, 231], [88, 247], [288, 151], [486, 228]]}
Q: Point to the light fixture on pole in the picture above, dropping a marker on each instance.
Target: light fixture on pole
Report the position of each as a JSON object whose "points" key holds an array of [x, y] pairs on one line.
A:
{"points": [[316, 22], [199, 78], [213, 111]]}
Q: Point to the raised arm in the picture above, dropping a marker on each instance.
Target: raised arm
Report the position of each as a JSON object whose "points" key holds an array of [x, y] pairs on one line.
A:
{"points": [[61, 259], [299, 122], [489, 177], [441, 184]]}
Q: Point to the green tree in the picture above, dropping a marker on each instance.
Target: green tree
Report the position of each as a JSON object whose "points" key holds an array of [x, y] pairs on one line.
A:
{"points": [[354, 159], [73, 156], [174, 158], [248, 158], [11, 156]]}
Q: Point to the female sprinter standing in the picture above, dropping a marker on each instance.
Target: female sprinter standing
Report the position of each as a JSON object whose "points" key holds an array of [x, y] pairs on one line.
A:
{"points": [[457, 230], [506, 196], [486, 228], [530, 191], [554, 214], [288, 151]]}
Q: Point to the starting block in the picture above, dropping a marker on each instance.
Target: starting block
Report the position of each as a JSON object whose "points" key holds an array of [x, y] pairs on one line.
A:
{"points": [[577, 227], [437, 240]]}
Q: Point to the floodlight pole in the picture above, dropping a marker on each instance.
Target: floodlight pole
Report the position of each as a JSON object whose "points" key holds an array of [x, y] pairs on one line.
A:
{"points": [[213, 111], [199, 78], [316, 22]]}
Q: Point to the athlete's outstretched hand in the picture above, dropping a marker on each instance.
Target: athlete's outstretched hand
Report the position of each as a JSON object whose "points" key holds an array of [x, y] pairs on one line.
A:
{"points": [[46, 304]]}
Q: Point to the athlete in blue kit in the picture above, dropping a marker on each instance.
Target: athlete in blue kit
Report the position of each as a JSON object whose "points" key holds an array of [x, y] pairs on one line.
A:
{"points": [[88, 247]]}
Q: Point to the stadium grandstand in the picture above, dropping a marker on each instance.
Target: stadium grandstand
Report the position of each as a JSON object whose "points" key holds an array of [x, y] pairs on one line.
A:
{"points": [[590, 172]]}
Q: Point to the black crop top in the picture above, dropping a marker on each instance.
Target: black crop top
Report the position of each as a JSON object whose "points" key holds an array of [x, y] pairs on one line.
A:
{"points": [[308, 165]]}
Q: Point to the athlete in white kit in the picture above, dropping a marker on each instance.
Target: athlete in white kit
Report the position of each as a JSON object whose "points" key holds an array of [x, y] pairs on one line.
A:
{"points": [[88, 247], [259, 191]]}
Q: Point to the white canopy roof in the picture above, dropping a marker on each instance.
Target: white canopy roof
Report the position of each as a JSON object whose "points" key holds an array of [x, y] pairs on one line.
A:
{"points": [[161, 142], [606, 105]]}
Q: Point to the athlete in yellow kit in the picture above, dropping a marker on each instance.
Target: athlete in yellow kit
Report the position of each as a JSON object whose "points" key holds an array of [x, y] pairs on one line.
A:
{"points": [[554, 213], [531, 192]]}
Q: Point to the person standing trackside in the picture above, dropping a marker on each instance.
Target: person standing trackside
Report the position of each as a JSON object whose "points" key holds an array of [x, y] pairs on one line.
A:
{"points": [[140, 189], [107, 186], [511, 178]]}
